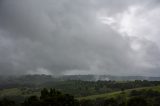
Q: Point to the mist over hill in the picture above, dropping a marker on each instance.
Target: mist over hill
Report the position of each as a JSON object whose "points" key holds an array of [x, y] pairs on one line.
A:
{"points": [[40, 79], [54, 52]]}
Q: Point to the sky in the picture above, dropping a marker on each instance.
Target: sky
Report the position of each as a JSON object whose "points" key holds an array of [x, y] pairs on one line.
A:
{"points": [[64, 37]]}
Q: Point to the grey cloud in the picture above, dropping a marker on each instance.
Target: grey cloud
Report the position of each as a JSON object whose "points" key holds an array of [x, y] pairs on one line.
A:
{"points": [[63, 36]]}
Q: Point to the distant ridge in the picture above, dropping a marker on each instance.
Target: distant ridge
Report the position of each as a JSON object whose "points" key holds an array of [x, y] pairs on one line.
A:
{"points": [[107, 77]]}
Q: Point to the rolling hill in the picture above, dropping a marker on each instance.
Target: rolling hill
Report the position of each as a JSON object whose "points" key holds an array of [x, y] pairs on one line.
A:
{"points": [[115, 94]]}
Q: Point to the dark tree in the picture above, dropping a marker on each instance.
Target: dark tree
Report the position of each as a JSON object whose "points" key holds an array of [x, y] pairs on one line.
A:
{"points": [[7, 102], [111, 102], [51, 98], [137, 101]]}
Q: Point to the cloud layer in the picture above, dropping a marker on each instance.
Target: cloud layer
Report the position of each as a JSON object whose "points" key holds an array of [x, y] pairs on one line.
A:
{"points": [[79, 37]]}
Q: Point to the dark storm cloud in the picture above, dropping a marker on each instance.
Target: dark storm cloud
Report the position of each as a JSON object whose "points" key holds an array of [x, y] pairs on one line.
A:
{"points": [[66, 36]]}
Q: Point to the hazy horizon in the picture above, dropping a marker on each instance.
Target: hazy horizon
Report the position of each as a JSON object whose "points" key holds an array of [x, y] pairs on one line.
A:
{"points": [[60, 37]]}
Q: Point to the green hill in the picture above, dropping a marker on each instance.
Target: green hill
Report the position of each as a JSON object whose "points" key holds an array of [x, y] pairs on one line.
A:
{"points": [[115, 94], [29, 92]]}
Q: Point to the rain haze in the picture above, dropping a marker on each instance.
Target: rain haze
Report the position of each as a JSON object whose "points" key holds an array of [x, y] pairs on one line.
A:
{"points": [[59, 37]]}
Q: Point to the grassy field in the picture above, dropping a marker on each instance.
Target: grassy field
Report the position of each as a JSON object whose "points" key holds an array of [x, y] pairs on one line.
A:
{"points": [[18, 92], [115, 94]]}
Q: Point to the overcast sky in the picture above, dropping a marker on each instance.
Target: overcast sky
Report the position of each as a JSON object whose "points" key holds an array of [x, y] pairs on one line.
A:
{"points": [[116, 37]]}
